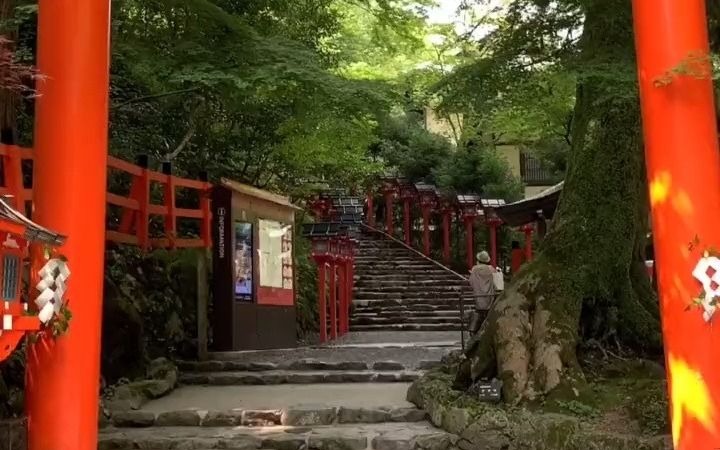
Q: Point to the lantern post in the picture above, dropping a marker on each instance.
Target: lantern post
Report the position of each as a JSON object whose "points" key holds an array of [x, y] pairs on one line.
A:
{"points": [[389, 192], [320, 253], [447, 213], [493, 223], [342, 285], [408, 194], [333, 286], [428, 200], [683, 169], [470, 211], [70, 163], [371, 208]]}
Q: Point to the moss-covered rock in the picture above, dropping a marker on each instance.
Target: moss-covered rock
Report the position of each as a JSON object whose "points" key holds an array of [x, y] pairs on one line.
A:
{"points": [[489, 427]]}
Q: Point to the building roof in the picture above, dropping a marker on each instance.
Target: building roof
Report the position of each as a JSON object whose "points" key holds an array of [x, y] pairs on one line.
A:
{"points": [[251, 191], [525, 211], [32, 231]]}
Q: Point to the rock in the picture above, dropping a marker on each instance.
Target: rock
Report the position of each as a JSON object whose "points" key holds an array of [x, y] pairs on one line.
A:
{"points": [[385, 377], [414, 394], [308, 364], [337, 442], [133, 419], [125, 398], [473, 439], [185, 418], [388, 366], [235, 379], [437, 441], [456, 420], [351, 365], [283, 441], [429, 364], [163, 369], [261, 367], [435, 411], [363, 415], [210, 366], [407, 415], [305, 378], [239, 366], [261, 418], [222, 418], [152, 389], [358, 377], [493, 419], [308, 415], [390, 442]]}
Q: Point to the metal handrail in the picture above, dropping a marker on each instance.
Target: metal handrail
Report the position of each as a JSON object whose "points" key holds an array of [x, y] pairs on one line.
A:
{"points": [[416, 252], [461, 304]]}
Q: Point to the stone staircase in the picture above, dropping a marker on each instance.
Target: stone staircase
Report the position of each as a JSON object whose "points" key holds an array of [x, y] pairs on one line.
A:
{"points": [[397, 289], [322, 398]]}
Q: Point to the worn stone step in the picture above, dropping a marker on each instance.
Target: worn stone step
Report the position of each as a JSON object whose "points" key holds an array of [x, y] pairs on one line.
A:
{"points": [[405, 313], [379, 320], [384, 436], [402, 276], [299, 415], [402, 298], [300, 365], [379, 290], [407, 327], [369, 283], [296, 377]]}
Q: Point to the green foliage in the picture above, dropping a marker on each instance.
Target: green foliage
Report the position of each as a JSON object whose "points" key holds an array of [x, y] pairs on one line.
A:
{"points": [[480, 170], [650, 408]]}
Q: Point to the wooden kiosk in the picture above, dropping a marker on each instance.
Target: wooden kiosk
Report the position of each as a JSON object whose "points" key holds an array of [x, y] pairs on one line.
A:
{"points": [[253, 269]]}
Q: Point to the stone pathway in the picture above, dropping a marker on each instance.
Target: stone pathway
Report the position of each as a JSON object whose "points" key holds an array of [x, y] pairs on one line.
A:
{"points": [[324, 398]]}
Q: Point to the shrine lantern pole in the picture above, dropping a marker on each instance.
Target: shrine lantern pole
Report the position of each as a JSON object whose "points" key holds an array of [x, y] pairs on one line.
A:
{"points": [[70, 169], [683, 169]]}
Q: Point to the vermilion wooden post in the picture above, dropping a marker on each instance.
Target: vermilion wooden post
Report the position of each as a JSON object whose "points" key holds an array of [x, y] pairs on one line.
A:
{"points": [[493, 224], [169, 200], [322, 307], [406, 220], [528, 230], [446, 236], [389, 212], [70, 175], [683, 168], [142, 221], [206, 221], [426, 229], [342, 294], [333, 300], [469, 246], [371, 209]]}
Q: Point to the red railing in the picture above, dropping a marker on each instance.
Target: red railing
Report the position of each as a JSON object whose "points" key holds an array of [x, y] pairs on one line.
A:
{"points": [[137, 209]]}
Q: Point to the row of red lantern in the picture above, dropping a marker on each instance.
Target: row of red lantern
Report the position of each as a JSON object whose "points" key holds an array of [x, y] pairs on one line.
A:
{"points": [[335, 259]]}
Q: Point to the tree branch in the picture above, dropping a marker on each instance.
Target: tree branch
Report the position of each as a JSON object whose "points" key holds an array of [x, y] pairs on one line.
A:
{"points": [[190, 133], [154, 96]]}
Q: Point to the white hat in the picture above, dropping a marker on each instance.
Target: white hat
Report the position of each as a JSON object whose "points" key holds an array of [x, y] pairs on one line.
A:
{"points": [[483, 257]]}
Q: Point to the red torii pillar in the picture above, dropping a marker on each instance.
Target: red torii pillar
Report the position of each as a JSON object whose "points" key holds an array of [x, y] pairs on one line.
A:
{"points": [[371, 208], [493, 224], [469, 221], [528, 230], [683, 169], [426, 207], [70, 175]]}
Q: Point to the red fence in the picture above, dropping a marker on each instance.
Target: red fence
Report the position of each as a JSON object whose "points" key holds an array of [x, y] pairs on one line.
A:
{"points": [[137, 208]]}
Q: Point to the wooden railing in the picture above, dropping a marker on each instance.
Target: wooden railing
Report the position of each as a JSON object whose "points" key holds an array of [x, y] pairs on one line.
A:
{"points": [[137, 209]]}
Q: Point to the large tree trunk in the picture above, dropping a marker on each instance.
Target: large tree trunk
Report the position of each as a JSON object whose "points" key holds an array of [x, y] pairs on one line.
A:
{"points": [[9, 98], [589, 280]]}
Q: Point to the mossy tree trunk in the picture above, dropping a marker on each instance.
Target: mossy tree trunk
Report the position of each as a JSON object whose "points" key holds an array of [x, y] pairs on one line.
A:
{"points": [[589, 280]]}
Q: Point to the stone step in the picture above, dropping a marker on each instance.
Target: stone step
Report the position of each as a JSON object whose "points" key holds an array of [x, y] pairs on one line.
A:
{"points": [[407, 327], [406, 313], [409, 271], [301, 365], [303, 415], [296, 377], [421, 283], [380, 320], [390, 299], [384, 436], [415, 288], [384, 276]]}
